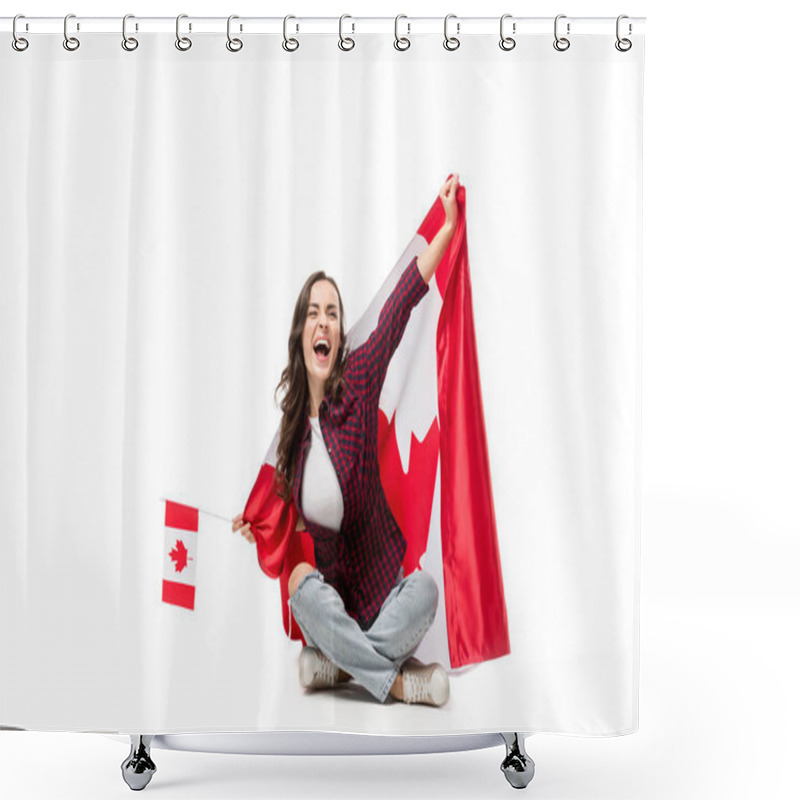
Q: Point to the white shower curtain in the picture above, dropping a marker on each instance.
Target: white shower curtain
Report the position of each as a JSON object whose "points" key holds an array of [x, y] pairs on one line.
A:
{"points": [[161, 211]]}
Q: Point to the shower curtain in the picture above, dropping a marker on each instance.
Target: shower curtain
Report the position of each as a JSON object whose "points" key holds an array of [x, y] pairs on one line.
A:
{"points": [[162, 208]]}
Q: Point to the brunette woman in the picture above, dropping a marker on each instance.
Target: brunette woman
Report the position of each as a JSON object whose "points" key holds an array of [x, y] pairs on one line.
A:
{"points": [[360, 616]]}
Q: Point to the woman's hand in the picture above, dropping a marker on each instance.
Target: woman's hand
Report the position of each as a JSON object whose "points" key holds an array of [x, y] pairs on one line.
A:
{"points": [[430, 257], [244, 528], [448, 197]]}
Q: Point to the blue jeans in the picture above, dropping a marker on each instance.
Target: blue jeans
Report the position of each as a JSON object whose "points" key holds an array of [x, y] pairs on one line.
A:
{"points": [[374, 656]]}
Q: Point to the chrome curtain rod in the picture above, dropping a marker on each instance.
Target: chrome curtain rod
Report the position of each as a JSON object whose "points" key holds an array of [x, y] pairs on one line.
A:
{"points": [[458, 26], [509, 28]]}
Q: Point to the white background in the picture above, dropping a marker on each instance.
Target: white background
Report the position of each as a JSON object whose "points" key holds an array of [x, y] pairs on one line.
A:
{"points": [[721, 389]]}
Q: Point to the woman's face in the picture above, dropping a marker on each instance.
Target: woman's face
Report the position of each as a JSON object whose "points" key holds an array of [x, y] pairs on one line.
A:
{"points": [[322, 333]]}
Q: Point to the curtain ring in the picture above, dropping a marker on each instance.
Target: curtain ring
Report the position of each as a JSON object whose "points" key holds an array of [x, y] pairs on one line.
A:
{"points": [[451, 42], [18, 43], [183, 43], [234, 45], [346, 43], [128, 42], [70, 42], [561, 43], [623, 45], [401, 43], [506, 42], [290, 45]]}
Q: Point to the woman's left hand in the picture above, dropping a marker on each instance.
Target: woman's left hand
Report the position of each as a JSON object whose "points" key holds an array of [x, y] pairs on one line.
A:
{"points": [[448, 197], [243, 527]]}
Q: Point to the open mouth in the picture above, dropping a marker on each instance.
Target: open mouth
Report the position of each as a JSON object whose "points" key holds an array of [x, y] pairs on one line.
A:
{"points": [[322, 350]]}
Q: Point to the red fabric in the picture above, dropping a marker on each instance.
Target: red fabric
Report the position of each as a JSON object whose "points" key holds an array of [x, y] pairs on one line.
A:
{"points": [[184, 518], [477, 623], [280, 547], [409, 493], [178, 594], [301, 548], [271, 519]]}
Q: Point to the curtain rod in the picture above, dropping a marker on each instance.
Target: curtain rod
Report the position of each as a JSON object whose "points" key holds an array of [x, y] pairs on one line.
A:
{"points": [[518, 26]]}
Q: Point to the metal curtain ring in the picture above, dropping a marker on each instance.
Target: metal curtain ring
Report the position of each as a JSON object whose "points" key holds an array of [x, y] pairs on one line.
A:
{"points": [[506, 42], [345, 43], [18, 43], [290, 45], [234, 45], [401, 43], [451, 42], [623, 45], [181, 42], [128, 42], [561, 43], [70, 42]]}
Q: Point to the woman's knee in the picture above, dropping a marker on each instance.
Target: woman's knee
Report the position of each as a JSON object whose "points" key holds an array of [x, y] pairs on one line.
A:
{"points": [[428, 589], [298, 573]]}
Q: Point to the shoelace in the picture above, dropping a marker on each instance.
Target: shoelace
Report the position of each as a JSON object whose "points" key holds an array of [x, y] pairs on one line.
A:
{"points": [[326, 669], [415, 687]]}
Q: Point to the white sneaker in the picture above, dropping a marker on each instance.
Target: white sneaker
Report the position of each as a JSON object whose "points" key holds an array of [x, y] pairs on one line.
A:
{"points": [[425, 683], [317, 671]]}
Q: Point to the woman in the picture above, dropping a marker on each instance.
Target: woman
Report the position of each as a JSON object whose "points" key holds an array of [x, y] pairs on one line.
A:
{"points": [[359, 615]]}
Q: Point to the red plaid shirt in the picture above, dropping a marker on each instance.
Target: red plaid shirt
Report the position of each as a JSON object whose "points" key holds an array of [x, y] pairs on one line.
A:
{"points": [[362, 560]]}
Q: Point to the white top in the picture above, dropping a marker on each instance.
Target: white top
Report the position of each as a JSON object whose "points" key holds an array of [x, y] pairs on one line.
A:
{"points": [[321, 495]]}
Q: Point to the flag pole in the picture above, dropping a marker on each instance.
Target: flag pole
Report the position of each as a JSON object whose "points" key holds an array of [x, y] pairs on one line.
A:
{"points": [[212, 514], [201, 510]]}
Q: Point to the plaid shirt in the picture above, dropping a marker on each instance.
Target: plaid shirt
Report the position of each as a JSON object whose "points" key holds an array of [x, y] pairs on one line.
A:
{"points": [[362, 560]]}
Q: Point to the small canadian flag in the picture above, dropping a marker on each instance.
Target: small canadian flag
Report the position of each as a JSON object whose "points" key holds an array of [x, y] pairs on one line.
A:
{"points": [[180, 554]]}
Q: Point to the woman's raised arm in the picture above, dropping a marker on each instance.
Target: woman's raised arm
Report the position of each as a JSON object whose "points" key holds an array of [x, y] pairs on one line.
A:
{"points": [[430, 257]]}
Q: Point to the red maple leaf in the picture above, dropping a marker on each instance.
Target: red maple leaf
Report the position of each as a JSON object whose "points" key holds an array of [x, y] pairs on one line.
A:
{"points": [[410, 494], [179, 554]]}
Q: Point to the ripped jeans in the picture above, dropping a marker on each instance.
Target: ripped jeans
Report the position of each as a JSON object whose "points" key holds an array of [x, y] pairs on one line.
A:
{"points": [[374, 656]]}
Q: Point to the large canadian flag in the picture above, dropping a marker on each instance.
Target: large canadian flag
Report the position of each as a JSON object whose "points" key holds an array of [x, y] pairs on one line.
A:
{"points": [[434, 462]]}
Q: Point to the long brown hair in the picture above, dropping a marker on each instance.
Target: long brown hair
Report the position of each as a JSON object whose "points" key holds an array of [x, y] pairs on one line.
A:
{"points": [[296, 402]]}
